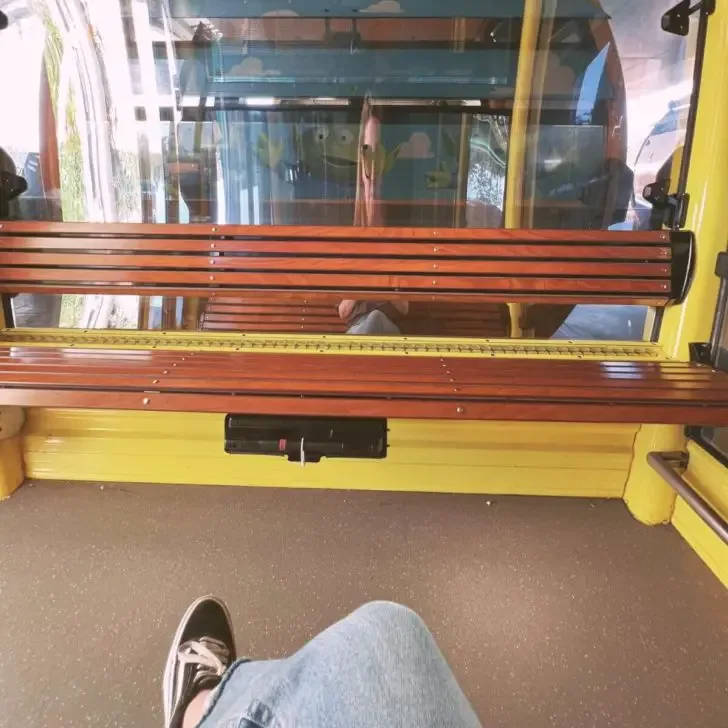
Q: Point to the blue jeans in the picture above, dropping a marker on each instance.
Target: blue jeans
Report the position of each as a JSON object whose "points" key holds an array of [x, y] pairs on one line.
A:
{"points": [[374, 323], [379, 666]]}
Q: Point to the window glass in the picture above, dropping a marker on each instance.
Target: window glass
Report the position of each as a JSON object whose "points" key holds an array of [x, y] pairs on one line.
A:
{"points": [[609, 107], [394, 113]]}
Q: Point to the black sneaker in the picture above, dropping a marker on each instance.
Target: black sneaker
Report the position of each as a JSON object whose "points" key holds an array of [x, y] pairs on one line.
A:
{"points": [[202, 650]]}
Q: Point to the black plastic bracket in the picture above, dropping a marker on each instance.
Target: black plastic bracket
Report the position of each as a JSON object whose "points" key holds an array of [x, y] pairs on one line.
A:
{"points": [[306, 439], [674, 207], [677, 19], [721, 267], [11, 186], [4, 21], [700, 353], [682, 244]]}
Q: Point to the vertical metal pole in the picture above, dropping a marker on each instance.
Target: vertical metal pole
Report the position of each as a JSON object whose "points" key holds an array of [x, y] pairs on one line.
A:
{"points": [[517, 136]]}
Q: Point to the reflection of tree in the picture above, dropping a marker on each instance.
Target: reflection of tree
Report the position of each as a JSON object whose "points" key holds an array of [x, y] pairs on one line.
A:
{"points": [[124, 165], [112, 172], [73, 193], [488, 145]]}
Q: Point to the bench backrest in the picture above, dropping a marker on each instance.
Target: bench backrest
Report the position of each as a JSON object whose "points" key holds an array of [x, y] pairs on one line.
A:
{"points": [[560, 266], [320, 316]]}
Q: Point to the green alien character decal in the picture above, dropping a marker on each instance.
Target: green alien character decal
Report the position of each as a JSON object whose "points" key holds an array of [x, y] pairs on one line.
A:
{"points": [[329, 151]]}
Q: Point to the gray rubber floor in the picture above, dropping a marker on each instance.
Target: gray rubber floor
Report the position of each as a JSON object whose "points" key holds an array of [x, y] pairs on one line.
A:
{"points": [[551, 612]]}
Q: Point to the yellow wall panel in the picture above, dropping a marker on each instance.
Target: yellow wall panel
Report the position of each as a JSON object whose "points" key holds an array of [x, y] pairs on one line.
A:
{"points": [[709, 478], [458, 457], [11, 465]]}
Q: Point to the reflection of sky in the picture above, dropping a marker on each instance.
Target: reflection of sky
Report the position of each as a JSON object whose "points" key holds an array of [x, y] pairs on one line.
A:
{"points": [[21, 54]]}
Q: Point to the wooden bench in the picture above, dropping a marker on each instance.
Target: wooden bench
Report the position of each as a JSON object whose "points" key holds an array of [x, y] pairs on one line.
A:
{"points": [[425, 318], [463, 267]]}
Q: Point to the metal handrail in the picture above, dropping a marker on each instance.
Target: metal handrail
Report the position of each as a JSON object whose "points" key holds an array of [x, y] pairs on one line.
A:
{"points": [[664, 463]]}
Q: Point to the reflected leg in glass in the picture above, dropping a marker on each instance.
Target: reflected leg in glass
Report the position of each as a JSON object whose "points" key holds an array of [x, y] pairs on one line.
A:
{"points": [[374, 323]]}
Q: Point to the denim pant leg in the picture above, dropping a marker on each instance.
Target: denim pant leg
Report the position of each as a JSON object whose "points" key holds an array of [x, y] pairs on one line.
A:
{"points": [[379, 666], [375, 323]]}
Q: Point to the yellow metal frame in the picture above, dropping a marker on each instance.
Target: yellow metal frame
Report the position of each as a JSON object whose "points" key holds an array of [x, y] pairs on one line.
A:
{"points": [[648, 497], [518, 136], [12, 472], [329, 344], [709, 478]]}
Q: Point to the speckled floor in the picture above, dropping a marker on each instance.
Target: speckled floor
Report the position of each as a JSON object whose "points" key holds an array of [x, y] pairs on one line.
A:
{"points": [[551, 612]]}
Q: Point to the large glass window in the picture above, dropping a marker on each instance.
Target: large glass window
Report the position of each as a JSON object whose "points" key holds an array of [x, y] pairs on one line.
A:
{"points": [[391, 113]]}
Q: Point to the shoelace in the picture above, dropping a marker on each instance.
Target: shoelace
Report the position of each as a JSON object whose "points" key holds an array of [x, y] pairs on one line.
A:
{"points": [[209, 656]]}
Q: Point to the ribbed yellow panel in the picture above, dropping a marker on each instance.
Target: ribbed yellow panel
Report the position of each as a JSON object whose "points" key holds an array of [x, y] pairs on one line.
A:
{"points": [[456, 457], [11, 466], [710, 479]]}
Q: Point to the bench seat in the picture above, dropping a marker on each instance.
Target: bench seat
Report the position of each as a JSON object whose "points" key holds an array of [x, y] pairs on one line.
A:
{"points": [[410, 387]]}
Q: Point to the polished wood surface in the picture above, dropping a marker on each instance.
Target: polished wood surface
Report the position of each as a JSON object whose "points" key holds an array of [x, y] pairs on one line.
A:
{"points": [[488, 265], [402, 387], [425, 318]]}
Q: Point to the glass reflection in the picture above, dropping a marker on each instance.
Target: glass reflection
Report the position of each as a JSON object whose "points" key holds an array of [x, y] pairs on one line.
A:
{"points": [[209, 111]]}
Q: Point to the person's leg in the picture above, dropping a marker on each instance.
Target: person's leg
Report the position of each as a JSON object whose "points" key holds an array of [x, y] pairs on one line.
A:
{"points": [[375, 323], [380, 665], [202, 650]]}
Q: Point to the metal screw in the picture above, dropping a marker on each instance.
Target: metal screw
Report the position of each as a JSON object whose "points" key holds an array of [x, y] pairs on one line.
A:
{"points": [[212, 245], [434, 283], [166, 371], [436, 250], [434, 265], [155, 381], [212, 261], [146, 400], [460, 410], [212, 278], [214, 229], [436, 233], [663, 236]]}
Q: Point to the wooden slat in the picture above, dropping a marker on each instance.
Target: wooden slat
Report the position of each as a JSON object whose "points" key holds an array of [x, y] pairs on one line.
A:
{"points": [[497, 249], [42, 262], [343, 282], [567, 298], [327, 232]]}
